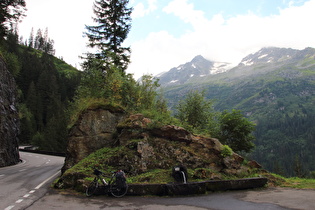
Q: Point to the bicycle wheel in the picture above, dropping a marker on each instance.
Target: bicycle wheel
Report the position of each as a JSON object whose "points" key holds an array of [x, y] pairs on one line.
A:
{"points": [[91, 188], [118, 190]]}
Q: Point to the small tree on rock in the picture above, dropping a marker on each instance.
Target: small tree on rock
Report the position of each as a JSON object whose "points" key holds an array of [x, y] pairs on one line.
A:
{"points": [[236, 131]]}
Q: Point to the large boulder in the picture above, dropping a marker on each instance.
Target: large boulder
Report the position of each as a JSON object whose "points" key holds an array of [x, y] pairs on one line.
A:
{"points": [[138, 146], [168, 145], [144, 145], [9, 119], [94, 130]]}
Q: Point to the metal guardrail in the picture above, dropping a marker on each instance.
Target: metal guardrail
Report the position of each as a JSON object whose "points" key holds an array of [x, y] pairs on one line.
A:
{"points": [[25, 149]]}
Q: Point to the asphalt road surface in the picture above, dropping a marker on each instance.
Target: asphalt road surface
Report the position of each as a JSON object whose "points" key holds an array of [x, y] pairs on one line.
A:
{"points": [[26, 182], [266, 199], [26, 186]]}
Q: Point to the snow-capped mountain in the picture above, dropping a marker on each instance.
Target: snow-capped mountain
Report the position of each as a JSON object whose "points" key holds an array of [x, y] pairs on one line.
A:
{"points": [[275, 55], [271, 59], [196, 68], [266, 60]]}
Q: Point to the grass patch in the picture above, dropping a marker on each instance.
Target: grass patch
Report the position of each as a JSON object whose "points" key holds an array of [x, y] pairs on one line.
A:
{"points": [[156, 176], [84, 104], [96, 160], [299, 183]]}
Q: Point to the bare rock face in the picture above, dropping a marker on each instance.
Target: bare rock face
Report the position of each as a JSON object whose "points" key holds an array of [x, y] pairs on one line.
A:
{"points": [[94, 130], [9, 120], [169, 145]]}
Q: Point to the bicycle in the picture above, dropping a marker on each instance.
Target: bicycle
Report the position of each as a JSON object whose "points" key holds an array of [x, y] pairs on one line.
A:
{"points": [[116, 186]]}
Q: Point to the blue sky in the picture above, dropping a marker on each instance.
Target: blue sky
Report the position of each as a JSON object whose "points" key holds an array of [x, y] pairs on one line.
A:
{"points": [[175, 26], [167, 33]]}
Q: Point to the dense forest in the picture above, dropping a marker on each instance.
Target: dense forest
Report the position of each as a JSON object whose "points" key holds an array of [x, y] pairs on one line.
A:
{"points": [[46, 86]]}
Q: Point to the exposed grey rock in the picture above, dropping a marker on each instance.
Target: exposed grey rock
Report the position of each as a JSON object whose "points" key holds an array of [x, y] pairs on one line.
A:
{"points": [[93, 130], [9, 120]]}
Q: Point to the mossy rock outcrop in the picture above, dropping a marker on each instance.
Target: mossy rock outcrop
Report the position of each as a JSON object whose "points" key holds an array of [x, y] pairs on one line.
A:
{"points": [[145, 151]]}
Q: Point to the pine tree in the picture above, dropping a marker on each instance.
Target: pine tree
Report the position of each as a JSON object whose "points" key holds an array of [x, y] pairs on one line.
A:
{"points": [[10, 10], [113, 25], [31, 39]]}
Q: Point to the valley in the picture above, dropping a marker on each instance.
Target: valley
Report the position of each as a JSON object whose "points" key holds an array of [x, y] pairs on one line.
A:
{"points": [[274, 88]]}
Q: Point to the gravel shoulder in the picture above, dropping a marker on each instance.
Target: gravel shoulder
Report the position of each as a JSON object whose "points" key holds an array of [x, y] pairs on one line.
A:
{"points": [[285, 197]]}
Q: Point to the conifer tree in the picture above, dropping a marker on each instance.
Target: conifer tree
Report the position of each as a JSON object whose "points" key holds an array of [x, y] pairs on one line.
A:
{"points": [[113, 25], [10, 10], [31, 39]]}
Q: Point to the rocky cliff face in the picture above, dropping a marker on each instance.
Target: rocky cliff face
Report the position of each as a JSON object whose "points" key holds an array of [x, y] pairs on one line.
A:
{"points": [[9, 121], [94, 130]]}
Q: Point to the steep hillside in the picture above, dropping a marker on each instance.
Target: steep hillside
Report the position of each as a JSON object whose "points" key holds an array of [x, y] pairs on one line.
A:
{"points": [[275, 88], [45, 85]]}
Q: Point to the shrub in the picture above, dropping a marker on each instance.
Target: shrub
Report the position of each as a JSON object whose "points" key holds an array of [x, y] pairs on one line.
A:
{"points": [[226, 151]]}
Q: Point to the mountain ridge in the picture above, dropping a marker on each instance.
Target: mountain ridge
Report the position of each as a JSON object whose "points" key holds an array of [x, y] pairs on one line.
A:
{"points": [[263, 61], [196, 68]]}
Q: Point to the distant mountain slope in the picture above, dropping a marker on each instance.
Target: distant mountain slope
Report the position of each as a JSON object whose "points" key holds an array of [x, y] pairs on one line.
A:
{"points": [[274, 59], [275, 88], [198, 67]]}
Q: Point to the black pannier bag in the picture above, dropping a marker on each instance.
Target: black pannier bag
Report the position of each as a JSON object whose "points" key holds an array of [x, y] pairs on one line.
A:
{"points": [[179, 173], [120, 179]]}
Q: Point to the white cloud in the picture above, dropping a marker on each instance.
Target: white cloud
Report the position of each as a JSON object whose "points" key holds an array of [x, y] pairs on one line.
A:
{"points": [[65, 21], [222, 39], [185, 11], [139, 9], [217, 38]]}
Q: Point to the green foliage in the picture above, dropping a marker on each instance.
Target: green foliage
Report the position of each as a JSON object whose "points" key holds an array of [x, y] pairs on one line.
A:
{"points": [[10, 12], [236, 131], [196, 111], [56, 134], [112, 27], [98, 160], [226, 151], [312, 174], [42, 42], [44, 92], [197, 114], [12, 62], [122, 90], [82, 104], [299, 183], [38, 139], [156, 176]]}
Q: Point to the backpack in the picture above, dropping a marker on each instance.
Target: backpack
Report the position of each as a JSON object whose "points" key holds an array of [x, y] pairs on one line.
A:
{"points": [[120, 179]]}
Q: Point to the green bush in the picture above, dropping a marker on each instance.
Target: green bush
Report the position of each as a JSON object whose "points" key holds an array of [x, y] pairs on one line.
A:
{"points": [[226, 151]]}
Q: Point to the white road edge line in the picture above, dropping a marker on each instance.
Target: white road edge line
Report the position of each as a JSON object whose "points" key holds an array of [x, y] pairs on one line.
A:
{"points": [[26, 195], [44, 182], [9, 207]]}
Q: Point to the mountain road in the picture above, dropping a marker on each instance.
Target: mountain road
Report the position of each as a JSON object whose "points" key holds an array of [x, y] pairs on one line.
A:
{"points": [[26, 182]]}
